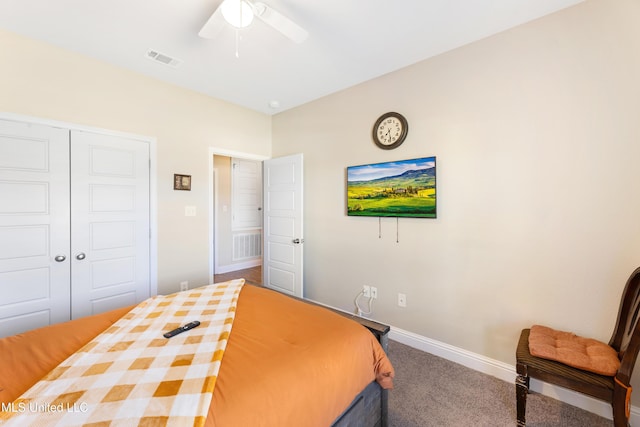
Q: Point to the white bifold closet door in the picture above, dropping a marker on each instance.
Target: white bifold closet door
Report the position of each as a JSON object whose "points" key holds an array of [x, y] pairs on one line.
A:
{"points": [[34, 226], [110, 222], [74, 224]]}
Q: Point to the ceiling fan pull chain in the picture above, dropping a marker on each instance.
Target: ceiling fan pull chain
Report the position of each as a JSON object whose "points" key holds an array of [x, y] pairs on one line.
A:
{"points": [[240, 17], [237, 43]]}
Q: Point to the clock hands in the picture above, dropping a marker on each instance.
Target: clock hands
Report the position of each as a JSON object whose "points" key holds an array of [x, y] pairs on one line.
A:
{"points": [[387, 136]]}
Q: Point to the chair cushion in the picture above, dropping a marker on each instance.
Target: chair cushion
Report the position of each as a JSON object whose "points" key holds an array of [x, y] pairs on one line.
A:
{"points": [[566, 347]]}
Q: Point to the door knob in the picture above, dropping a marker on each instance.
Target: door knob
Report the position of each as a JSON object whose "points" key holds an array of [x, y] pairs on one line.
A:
{"points": [[81, 256], [298, 241], [60, 258]]}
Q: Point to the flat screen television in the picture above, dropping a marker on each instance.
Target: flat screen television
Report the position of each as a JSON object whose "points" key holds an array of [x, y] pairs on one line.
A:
{"points": [[405, 188]]}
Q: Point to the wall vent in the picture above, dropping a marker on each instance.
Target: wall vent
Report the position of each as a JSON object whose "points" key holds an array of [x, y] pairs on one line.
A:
{"points": [[247, 245], [162, 58]]}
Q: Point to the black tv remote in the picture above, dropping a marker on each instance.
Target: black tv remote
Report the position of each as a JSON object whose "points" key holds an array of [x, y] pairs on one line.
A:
{"points": [[181, 329]]}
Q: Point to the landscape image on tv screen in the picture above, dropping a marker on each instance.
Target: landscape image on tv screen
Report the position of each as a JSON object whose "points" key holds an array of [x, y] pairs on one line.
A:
{"points": [[405, 188]]}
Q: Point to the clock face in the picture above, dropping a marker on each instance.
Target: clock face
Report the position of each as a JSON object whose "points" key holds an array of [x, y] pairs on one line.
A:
{"points": [[390, 130]]}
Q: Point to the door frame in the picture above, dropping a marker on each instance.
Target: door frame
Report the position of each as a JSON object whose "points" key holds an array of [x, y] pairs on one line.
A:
{"points": [[213, 195], [153, 184]]}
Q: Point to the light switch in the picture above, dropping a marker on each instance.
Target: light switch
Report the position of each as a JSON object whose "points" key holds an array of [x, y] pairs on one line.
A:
{"points": [[189, 211]]}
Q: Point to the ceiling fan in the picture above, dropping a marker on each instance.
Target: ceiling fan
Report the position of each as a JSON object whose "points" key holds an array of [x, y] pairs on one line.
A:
{"points": [[240, 14]]}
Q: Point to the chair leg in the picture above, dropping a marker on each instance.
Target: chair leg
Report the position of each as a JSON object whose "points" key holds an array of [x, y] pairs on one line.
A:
{"points": [[522, 389], [619, 406]]}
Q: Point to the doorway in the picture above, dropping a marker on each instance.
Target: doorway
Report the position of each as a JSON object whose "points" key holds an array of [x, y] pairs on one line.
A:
{"points": [[283, 222], [235, 220]]}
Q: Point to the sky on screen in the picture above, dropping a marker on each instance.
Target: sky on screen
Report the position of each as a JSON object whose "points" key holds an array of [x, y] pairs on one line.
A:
{"points": [[381, 170]]}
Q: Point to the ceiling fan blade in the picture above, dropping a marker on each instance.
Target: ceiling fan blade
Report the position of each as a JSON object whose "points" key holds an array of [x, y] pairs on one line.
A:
{"points": [[213, 26], [279, 22]]}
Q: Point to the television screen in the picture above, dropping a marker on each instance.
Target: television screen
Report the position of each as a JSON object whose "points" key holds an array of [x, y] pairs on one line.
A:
{"points": [[405, 188]]}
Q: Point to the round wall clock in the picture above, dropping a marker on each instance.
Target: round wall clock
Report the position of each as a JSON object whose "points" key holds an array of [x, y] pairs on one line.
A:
{"points": [[390, 130]]}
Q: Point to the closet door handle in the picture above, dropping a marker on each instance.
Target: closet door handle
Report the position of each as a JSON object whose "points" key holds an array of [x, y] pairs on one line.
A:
{"points": [[81, 256], [60, 258]]}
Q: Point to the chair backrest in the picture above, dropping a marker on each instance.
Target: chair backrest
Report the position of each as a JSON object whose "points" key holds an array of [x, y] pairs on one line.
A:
{"points": [[626, 334]]}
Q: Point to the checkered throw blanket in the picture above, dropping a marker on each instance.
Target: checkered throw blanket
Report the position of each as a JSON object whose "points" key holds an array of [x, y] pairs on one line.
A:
{"points": [[130, 375]]}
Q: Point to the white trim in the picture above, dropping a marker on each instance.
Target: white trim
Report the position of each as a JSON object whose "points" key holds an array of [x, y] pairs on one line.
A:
{"points": [[153, 181], [238, 154], [153, 213], [477, 362], [240, 266], [72, 126], [213, 222]]}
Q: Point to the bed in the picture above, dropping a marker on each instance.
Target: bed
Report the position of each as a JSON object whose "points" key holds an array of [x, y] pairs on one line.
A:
{"points": [[286, 362]]}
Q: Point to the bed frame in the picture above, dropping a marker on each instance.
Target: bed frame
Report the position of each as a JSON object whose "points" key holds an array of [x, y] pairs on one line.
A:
{"points": [[370, 407]]}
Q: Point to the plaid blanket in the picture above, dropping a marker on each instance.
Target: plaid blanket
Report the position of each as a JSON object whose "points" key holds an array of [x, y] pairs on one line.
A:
{"points": [[130, 375]]}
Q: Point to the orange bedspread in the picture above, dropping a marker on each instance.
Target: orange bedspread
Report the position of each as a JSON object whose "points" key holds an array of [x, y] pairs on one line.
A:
{"points": [[287, 363]]}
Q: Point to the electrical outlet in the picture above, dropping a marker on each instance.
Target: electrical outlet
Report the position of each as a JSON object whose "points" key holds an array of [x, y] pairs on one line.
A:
{"points": [[184, 285], [402, 300], [366, 291], [374, 292]]}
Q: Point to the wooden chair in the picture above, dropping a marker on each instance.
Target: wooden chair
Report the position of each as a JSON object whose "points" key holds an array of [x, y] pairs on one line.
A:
{"points": [[613, 389]]}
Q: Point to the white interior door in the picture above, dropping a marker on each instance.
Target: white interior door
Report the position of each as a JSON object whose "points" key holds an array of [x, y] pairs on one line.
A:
{"points": [[283, 224], [34, 226], [246, 194], [110, 222]]}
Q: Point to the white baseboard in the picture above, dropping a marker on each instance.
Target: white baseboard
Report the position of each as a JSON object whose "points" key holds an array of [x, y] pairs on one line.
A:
{"points": [[505, 372], [466, 358], [240, 266]]}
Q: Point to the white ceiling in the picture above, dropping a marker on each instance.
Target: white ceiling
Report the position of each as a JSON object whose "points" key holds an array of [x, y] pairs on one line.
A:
{"points": [[350, 41]]}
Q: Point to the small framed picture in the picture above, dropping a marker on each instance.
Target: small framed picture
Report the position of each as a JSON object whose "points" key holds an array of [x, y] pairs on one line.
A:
{"points": [[182, 182]]}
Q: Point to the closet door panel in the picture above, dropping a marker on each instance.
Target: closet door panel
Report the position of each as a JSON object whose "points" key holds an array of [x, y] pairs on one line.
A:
{"points": [[110, 217], [34, 226]]}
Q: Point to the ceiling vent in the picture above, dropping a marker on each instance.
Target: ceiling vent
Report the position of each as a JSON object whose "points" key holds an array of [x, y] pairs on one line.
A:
{"points": [[160, 57]]}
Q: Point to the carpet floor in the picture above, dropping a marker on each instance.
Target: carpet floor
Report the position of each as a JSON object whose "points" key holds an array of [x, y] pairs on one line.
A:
{"points": [[432, 391]]}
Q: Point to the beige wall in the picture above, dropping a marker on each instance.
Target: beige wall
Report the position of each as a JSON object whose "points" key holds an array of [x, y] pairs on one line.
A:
{"points": [[40, 80], [537, 139]]}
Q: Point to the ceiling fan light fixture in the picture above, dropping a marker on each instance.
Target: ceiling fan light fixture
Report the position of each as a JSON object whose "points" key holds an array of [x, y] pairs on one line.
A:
{"points": [[237, 13]]}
